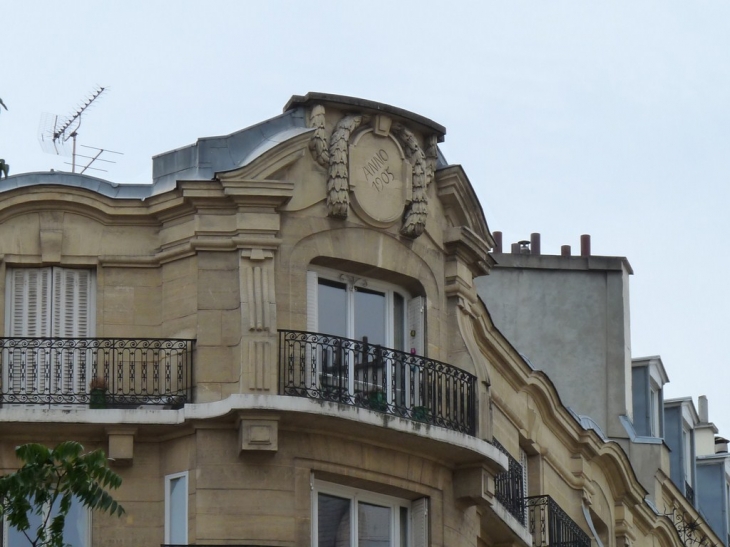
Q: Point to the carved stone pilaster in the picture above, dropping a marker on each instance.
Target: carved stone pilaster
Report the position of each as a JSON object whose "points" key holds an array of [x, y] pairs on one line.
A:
{"points": [[258, 297], [259, 354], [258, 319]]}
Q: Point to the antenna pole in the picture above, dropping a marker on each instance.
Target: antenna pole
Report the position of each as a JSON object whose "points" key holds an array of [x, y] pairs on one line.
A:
{"points": [[73, 154]]}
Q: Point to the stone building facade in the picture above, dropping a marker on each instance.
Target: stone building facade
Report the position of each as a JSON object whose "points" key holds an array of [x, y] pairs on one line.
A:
{"points": [[280, 342]]}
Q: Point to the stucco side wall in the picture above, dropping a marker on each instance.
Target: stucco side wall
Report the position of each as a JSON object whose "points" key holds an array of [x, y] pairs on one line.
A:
{"points": [[584, 342]]}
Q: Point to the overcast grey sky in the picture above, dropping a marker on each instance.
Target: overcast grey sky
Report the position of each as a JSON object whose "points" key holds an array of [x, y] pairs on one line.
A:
{"points": [[570, 117]]}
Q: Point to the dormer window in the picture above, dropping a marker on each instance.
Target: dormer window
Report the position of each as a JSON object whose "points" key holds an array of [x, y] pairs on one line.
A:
{"points": [[648, 378]]}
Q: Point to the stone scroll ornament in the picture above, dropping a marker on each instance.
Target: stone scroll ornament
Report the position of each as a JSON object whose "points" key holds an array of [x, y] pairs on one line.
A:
{"points": [[336, 157]]}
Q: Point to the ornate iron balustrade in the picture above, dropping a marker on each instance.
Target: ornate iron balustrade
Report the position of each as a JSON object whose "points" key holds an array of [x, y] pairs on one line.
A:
{"points": [[356, 373], [509, 486], [100, 372], [689, 528], [689, 493], [551, 526]]}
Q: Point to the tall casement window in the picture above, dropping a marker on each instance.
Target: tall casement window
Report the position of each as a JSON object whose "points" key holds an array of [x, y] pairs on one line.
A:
{"points": [[44, 303], [366, 330], [76, 532], [354, 307], [176, 508], [348, 517]]}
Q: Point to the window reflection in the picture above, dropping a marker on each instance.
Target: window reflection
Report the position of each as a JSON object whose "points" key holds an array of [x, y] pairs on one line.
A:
{"points": [[373, 525], [333, 521]]}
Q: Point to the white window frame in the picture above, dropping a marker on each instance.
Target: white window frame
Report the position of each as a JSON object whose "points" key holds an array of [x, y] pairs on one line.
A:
{"points": [[687, 451], [168, 508], [413, 320], [417, 532], [353, 282], [727, 504], [654, 408], [86, 533]]}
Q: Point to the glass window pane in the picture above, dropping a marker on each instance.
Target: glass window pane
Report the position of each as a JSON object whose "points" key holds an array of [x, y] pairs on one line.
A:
{"points": [[16, 538], [333, 521], [370, 317], [75, 530], [373, 525], [403, 527], [399, 321], [332, 308], [178, 510]]}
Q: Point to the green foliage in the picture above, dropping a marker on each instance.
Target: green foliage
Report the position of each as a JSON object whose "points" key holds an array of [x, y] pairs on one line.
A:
{"points": [[52, 478]]}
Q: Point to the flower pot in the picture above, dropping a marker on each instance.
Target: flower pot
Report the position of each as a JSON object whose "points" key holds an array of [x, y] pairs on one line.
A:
{"points": [[97, 398]]}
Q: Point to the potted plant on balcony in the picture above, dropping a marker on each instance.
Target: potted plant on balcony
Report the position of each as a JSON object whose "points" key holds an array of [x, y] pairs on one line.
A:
{"points": [[97, 392], [378, 400], [421, 414]]}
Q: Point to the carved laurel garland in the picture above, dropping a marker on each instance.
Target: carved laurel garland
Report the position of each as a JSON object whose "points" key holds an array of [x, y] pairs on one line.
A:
{"points": [[414, 217], [338, 190], [432, 156], [318, 143]]}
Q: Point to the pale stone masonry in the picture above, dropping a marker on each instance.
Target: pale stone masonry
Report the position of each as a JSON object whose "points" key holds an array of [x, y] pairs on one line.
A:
{"points": [[293, 349]]}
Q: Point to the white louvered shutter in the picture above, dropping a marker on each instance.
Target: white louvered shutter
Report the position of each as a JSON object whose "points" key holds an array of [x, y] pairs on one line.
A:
{"points": [[31, 289], [419, 522], [416, 323], [523, 463], [312, 319], [29, 317], [71, 303], [71, 319]]}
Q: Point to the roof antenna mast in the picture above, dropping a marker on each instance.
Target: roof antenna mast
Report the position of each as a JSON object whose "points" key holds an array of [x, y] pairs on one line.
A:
{"points": [[55, 132]]}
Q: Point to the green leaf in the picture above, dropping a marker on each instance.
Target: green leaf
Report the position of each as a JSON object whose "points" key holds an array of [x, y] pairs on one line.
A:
{"points": [[48, 475]]}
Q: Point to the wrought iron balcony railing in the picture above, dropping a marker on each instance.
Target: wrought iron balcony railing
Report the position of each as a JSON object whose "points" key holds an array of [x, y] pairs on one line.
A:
{"points": [[99, 372], [509, 486], [550, 526], [357, 373]]}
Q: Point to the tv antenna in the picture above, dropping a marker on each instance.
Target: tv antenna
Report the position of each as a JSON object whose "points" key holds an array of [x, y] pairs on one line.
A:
{"points": [[55, 132]]}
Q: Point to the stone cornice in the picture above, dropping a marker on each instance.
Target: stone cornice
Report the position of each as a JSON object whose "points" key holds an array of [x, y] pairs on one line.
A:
{"points": [[462, 243]]}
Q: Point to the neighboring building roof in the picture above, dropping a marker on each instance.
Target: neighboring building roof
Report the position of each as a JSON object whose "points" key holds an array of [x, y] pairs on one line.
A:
{"points": [[656, 367], [199, 161], [558, 262]]}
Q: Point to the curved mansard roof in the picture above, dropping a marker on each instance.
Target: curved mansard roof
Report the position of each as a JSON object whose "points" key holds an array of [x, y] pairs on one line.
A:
{"points": [[211, 155]]}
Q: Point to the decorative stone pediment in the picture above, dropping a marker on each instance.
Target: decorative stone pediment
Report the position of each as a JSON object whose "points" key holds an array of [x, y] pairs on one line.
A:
{"points": [[381, 162]]}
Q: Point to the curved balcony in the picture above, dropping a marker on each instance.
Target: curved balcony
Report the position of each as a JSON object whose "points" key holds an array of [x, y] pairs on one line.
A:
{"points": [[550, 526], [509, 486], [99, 372], [356, 373]]}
